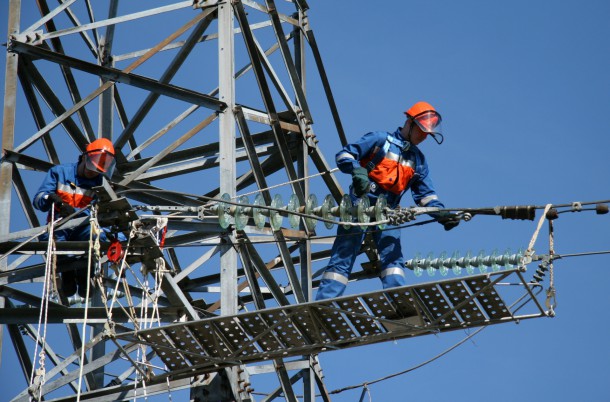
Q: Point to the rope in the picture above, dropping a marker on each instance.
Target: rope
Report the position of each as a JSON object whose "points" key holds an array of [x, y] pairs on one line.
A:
{"points": [[44, 308], [94, 246], [530, 247]]}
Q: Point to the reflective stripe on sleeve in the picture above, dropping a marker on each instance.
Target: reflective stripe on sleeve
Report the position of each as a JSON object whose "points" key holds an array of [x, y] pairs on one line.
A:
{"points": [[424, 201], [333, 276], [344, 155], [392, 271]]}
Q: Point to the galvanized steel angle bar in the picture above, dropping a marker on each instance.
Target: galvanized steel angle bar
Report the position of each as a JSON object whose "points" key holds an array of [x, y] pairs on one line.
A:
{"points": [[166, 77], [309, 35], [251, 278], [529, 291], [287, 56], [293, 277], [8, 132], [262, 270], [116, 20], [329, 179], [273, 76], [65, 379], [108, 84], [24, 199], [286, 382], [257, 171], [36, 110], [183, 273], [279, 391], [50, 353], [29, 73], [25, 361], [152, 195], [47, 17], [267, 99], [168, 149], [114, 75], [134, 364], [93, 47], [256, 6]]}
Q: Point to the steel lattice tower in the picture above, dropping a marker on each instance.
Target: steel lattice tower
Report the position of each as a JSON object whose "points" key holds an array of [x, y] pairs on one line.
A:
{"points": [[204, 97]]}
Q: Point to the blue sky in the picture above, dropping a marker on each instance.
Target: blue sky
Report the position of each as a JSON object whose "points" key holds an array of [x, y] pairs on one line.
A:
{"points": [[524, 91]]}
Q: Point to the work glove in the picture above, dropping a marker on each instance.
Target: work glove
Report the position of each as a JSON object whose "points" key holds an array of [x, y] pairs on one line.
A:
{"points": [[360, 181], [63, 208], [449, 220]]}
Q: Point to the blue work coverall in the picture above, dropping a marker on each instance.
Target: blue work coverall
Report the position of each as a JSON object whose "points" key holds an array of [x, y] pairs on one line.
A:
{"points": [[74, 190], [394, 166]]}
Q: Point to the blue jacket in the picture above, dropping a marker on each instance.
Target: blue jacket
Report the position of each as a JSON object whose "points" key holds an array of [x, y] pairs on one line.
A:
{"points": [[394, 165], [65, 182]]}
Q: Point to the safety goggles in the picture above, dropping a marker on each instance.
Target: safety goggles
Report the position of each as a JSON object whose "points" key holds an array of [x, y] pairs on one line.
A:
{"points": [[430, 122], [101, 161]]}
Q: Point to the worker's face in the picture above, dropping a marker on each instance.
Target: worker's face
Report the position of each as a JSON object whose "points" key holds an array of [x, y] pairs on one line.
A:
{"points": [[84, 172], [417, 135], [90, 174]]}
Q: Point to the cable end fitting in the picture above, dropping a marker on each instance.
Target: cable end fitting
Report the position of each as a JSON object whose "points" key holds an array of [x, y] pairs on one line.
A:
{"points": [[552, 214], [601, 209]]}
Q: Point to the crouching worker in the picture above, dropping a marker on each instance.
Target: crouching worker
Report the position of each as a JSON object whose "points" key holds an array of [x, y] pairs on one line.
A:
{"points": [[68, 187], [385, 163]]}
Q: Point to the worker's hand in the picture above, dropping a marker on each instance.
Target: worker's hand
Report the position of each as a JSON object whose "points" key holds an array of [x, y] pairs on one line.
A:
{"points": [[360, 181], [55, 199], [449, 220], [63, 209]]}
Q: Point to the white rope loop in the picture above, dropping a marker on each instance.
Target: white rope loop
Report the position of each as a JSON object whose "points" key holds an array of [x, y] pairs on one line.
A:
{"points": [[94, 246], [36, 382]]}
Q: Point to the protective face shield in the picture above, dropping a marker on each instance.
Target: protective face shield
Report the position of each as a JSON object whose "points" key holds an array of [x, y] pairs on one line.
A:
{"points": [[429, 122], [100, 161]]}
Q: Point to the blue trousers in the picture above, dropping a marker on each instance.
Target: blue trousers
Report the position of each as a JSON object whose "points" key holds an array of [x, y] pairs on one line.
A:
{"points": [[74, 280], [343, 255]]}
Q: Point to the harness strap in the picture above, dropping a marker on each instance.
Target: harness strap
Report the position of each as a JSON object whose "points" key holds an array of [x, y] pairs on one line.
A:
{"points": [[381, 153]]}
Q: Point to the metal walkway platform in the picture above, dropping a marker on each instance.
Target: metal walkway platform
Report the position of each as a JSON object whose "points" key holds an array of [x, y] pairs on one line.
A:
{"points": [[315, 327]]}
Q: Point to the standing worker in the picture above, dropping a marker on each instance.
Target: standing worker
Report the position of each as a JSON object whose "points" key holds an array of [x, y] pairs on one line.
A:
{"points": [[68, 187], [385, 163]]}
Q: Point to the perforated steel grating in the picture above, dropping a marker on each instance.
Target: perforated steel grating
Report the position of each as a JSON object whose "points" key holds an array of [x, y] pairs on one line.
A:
{"points": [[330, 324]]}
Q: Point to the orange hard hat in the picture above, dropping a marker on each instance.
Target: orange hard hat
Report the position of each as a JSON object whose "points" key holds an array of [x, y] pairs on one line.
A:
{"points": [[418, 108], [99, 157], [101, 144]]}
